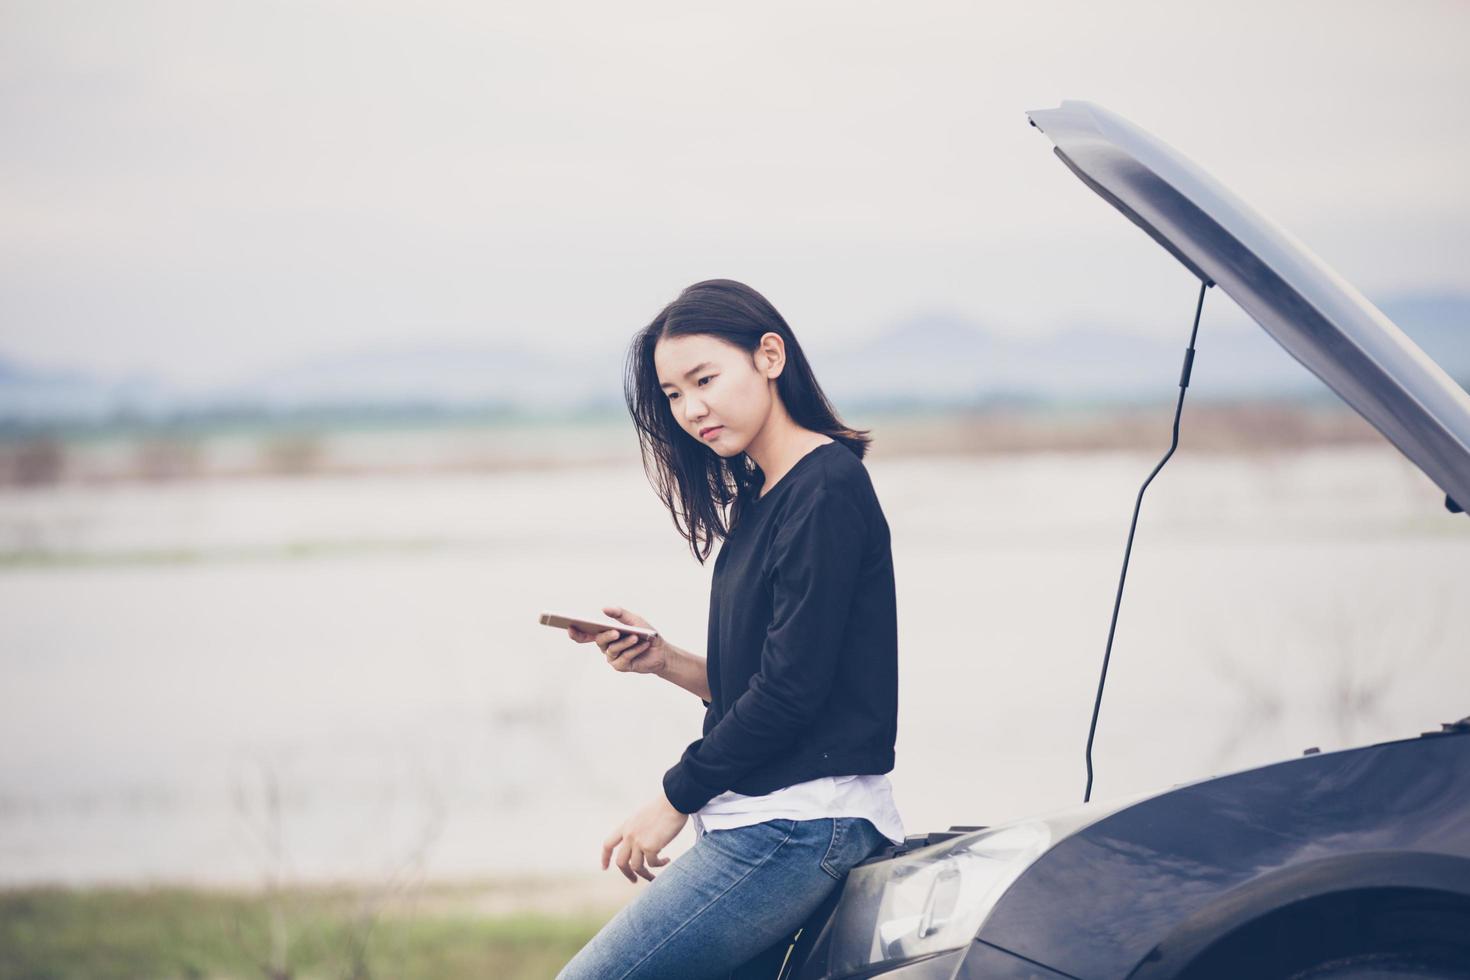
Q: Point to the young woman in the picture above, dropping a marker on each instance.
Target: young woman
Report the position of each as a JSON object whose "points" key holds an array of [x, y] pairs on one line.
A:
{"points": [[787, 786]]}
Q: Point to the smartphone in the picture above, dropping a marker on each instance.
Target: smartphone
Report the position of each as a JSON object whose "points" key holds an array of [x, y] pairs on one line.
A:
{"points": [[595, 626]]}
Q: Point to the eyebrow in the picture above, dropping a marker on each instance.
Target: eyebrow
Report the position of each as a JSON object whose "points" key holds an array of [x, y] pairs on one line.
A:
{"points": [[698, 367]]}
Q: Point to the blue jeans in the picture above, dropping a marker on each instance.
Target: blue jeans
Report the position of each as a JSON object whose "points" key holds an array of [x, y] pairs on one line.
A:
{"points": [[727, 899]]}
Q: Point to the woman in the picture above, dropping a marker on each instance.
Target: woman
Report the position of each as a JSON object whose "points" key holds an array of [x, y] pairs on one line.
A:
{"points": [[787, 786]]}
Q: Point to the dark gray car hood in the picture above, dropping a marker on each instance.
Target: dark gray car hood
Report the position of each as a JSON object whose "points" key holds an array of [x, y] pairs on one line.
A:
{"points": [[1319, 318]]}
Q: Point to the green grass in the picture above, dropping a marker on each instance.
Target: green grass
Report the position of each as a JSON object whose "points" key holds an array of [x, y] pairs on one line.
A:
{"points": [[102, 934]]}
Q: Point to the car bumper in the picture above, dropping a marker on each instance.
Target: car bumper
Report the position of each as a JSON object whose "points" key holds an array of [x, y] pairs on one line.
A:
{"points": [[978, 961]]}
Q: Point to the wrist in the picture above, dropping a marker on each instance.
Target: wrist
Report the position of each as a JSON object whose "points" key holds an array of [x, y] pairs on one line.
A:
{"points": [[672, 655]]}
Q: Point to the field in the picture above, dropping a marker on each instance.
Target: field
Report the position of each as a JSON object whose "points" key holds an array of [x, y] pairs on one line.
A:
{"points": [[443, 932]]}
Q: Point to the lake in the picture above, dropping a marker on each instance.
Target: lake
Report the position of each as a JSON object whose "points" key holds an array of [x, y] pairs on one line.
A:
{"points": [[329, 677]]}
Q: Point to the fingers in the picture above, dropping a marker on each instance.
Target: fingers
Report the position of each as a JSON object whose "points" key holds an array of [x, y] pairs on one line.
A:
{"points": [[621, 861], [638, 861], [624, 659], [622, 644], [608, 844], [621, 649], [625, 616], [631, 859], [603, 638]]}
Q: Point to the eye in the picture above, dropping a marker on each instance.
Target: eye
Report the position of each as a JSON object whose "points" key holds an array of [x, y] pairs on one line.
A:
{"points": [[708, 377]]}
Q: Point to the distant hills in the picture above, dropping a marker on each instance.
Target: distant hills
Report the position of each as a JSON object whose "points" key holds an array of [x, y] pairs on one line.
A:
{"points": [[941, 358], [927, 360]]}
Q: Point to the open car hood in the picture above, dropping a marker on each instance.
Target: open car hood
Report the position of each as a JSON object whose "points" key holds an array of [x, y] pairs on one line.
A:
{"points": [[1319, 318]]}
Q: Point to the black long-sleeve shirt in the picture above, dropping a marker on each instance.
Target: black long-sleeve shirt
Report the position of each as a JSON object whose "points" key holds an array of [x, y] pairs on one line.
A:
{"points": [[803, 639]]}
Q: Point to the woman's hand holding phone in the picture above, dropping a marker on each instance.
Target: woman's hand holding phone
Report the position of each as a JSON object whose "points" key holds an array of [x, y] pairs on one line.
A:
{"points": [[627, 652]]}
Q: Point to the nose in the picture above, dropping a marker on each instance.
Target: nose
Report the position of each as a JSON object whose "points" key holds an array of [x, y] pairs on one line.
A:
{"points": [[694, 409]]}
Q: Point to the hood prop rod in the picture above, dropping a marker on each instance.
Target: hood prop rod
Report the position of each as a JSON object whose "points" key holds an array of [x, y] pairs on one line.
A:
{"points": [[1137, 504]]}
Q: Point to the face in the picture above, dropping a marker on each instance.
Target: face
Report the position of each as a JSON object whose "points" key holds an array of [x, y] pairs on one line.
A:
{"points": [[717, 392]]}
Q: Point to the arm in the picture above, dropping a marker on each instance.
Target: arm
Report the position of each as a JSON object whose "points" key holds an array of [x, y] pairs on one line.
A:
{"points": [[815, 559], [687, 670]]}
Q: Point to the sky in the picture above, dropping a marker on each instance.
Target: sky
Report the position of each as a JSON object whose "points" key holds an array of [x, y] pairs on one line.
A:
{"points": [[205, 190]]}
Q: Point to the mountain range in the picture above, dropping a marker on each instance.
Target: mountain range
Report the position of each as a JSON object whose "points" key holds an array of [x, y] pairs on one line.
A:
{"points": [[928, 359]]}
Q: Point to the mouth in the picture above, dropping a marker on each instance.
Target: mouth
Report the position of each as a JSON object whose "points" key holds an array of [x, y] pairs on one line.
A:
{"points": [[711, 432]]}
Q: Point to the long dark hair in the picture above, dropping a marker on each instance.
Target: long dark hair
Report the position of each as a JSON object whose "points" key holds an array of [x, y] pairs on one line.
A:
{"points": [[705, 492]]}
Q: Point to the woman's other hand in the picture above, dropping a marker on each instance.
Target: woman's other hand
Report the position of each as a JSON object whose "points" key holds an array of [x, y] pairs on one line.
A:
{"points": [[631, 653], [642, 836]]}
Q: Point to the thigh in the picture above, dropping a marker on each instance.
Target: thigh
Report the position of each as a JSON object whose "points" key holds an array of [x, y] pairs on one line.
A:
{"points": [[732, 895], [854, 840]]}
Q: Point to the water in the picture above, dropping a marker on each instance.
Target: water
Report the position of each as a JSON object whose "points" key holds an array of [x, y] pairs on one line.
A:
{"points": [[343, 678]]}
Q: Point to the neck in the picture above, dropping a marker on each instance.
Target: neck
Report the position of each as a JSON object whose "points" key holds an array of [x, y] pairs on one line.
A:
{"points": [[781, 443]]}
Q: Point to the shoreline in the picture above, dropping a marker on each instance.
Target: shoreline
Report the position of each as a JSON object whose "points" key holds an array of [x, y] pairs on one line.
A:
{"points": [[49, 461]]}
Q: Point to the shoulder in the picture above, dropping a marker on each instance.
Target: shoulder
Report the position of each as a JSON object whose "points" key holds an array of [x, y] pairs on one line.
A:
{"points": [[841, 475], [835, 487]]}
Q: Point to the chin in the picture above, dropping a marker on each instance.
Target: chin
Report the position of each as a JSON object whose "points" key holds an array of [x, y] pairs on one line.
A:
{"points": [[725, 447]]}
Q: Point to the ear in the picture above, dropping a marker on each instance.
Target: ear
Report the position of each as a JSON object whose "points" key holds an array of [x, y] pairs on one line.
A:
{"points": [[770, 356]]}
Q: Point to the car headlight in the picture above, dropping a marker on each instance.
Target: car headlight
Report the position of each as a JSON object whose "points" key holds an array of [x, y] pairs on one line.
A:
{"points": [[931, 899], [936, 898]]}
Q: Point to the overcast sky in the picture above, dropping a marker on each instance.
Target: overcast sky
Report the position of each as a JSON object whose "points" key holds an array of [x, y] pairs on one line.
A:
{"points": [[205, 189]]}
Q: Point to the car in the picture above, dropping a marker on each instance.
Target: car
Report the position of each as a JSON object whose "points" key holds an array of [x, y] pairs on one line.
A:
{"points": [[1344, 864]]}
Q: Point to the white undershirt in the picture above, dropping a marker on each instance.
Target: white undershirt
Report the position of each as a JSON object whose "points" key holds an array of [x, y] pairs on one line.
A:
{"points": [[868, 796]]}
